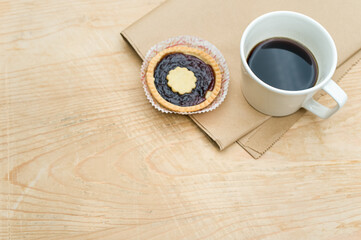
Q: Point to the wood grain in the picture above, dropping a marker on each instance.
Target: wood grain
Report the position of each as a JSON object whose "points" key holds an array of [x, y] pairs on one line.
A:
{"points": [[83, 155]]}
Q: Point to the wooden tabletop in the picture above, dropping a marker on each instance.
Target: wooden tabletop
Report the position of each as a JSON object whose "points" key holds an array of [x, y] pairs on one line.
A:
{"points": [[85, 156]]}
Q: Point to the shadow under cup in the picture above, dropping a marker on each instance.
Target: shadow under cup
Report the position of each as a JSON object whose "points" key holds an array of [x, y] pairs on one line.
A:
{"points": [[297, 27]]}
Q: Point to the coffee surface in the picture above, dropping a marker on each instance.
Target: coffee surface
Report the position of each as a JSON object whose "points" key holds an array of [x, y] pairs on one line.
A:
{"points": [[284, 64], [202, 71]]}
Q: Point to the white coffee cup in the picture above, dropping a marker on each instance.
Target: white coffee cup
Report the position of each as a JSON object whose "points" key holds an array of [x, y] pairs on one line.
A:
{"points": [[303, 29]]}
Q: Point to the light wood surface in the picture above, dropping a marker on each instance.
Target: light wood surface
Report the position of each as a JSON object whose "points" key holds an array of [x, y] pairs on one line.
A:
{"points": [[83, 155]]}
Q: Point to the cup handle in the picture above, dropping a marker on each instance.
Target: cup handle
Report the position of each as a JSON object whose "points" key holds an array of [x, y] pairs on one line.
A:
{"points": [[332, 89]]}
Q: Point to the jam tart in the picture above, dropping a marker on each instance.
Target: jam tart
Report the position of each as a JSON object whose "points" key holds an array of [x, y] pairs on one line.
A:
{"points": [[183, 79]]}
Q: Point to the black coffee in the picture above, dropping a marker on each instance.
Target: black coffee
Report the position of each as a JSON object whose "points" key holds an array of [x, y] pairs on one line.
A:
{"points": [[283, 63]]}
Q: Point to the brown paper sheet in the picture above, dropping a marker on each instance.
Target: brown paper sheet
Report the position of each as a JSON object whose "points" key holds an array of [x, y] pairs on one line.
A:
{"points": [[222, 23]]}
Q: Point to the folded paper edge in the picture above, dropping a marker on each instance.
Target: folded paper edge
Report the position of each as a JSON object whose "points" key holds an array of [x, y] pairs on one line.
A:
{"points": [[129, 40]]}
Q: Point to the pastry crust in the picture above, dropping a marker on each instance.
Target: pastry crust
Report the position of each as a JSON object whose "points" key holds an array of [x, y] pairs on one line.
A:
{"points": [[189, 51]]}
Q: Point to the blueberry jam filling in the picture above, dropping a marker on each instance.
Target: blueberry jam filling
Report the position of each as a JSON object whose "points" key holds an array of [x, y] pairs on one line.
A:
{"points": [[202, 71]]}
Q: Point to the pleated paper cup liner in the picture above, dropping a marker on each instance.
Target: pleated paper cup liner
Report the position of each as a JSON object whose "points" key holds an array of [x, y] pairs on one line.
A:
{"points": [[194, 42]]}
